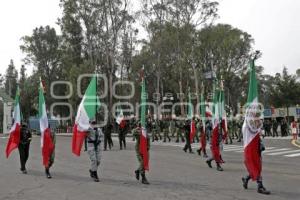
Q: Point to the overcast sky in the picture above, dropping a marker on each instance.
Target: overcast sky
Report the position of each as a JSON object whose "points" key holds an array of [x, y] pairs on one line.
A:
{"points": [[273, 24]]}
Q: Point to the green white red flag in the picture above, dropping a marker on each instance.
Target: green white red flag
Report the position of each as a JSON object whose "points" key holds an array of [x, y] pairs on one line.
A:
{"points": [[86, 112], [14, 133], [46, 140], [143, 137], [252, 128]]}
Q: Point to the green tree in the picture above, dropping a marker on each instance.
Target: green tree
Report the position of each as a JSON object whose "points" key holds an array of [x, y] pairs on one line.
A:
{"points": [[42, 49], [285, 92], [11, 79]]}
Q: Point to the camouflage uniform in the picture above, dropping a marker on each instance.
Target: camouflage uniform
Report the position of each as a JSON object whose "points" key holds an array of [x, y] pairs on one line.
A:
{"points": [[165, 128], [93, 145], [179, 129], [230, 132], [155, 131], [172, 128]]}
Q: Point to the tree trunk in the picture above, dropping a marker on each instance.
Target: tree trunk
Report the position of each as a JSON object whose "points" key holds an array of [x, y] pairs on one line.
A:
{"points": [[197, 89], [181, 95]]}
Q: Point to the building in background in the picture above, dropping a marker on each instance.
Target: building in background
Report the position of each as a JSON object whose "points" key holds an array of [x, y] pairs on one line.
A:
{"points": [[6, 109]]}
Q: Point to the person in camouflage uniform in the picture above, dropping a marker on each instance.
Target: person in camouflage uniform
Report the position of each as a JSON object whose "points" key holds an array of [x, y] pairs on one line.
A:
{"points": [[172, 127], [93, 142], [230, 132], [239, 129], [52, 156], [179, 128], [165, 128], [155, 130], [140, 170]]}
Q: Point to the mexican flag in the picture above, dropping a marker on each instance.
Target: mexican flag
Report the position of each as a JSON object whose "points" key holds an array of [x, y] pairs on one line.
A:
{"points": [[14, 136], [120, 118], [223, 113], [215, 139], [203, 111], [190, 117], [203, 118], [46, 140], [143, 136], [252, 128], [86, 111]]}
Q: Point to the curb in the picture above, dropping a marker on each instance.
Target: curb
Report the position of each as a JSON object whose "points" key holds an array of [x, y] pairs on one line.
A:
{"points": [[296, 143]]}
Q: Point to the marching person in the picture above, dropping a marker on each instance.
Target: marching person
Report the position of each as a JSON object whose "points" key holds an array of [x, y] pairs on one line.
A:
{"points": [[93, 147], [187, 128], [253, 145], [24, 145], [52, 155], [217, 136], [137, 131], [253, 158], [202, 139]]}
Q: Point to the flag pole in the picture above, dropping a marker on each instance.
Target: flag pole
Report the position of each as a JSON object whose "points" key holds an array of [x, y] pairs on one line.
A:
{"points": [[96, 99]]}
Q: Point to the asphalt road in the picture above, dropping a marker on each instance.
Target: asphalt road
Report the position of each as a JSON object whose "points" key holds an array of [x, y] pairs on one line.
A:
{"points": [[173, 175]]}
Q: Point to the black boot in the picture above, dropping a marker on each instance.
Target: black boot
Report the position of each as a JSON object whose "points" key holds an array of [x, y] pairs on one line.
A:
{"points": [[199, 152], [245, 181], [137, 174], [209, 163], [95, 176], [261, 189], [91, 174], [48, 175], [144, 179], [219, 168], [23, 170]]}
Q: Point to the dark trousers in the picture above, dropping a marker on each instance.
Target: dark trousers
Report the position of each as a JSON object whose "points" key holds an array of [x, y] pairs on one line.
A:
{"points": [[122, 139], [108, 140], [275, 133], [24, 154], [187, 143]]}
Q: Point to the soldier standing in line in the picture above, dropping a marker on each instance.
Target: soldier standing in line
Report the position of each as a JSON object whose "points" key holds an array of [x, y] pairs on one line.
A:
{"points": [[165, 127], [234, 128], [172, 127], [275, 127], [179, 127], [155, 130], [25, 139], [140, 171], [230, 131], [239, 129], [107, 136], [93, 146]]}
